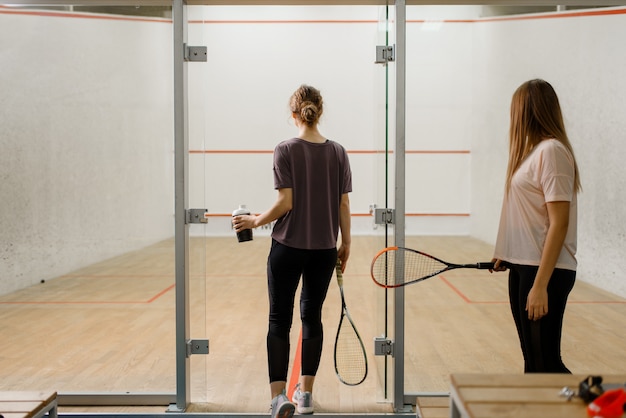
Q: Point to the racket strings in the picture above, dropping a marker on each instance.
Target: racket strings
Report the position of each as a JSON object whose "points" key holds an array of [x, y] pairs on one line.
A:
{"points": [[350, 361], [416, 266]]}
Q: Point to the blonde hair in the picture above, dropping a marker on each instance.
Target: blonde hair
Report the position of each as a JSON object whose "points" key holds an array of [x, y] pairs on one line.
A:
{"points": [[535, 115], [306, 102]]}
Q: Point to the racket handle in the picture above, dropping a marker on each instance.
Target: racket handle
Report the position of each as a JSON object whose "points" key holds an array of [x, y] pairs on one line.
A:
{"points": [[339, 274], [485, 266], [490, 265]]}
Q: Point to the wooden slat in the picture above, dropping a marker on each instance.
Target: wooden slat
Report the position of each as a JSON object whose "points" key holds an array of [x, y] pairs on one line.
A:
{"points": [[26, 404], [434, 413], [434, 402], [521, 396], [27, 396], [514, 395], [526, 380], [433, 406], [491, 410], [20, 406]]}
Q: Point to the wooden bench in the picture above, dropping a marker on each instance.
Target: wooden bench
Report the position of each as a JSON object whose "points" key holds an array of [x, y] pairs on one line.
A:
{"points": [[519, 396], [28, 404]]}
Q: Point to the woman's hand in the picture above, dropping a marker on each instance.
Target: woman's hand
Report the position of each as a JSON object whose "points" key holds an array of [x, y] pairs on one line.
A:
{"points": [[537, 303], [498, 265], [241, 222], [343, 254]]}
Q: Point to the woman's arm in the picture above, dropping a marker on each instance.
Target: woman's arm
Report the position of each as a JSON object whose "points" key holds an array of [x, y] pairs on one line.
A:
{"points": [[282, 205], [558, 215], [345, 226]]}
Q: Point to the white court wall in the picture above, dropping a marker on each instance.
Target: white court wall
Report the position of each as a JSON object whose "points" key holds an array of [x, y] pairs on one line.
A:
{"points": [[260, 55], [86, 149], [86, 123]]}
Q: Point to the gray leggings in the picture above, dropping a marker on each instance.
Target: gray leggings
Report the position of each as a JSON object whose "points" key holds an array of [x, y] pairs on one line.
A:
{"points": [[285, 266], [540, 340]]}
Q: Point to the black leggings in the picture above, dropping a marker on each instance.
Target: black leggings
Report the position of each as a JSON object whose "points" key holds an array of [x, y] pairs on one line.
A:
{"points": [[540, 340], [285, 265]]}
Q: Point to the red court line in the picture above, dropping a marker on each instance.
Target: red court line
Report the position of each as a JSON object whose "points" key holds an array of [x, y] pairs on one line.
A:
{"points": [[437, 214], [231, 151], [369, 152], [534, 16], [295, 371], [550, 15], [468, 300], [74, 275], [161, 293], [284, 21], [359, 215], [78, 15], [424, 152], [128, 302], [437, 152], [455, 290], [558, 15]]}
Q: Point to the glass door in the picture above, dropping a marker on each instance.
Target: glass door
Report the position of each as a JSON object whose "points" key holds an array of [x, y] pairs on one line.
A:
{"points": [[384, 144], [238, 108], [200, 254]]}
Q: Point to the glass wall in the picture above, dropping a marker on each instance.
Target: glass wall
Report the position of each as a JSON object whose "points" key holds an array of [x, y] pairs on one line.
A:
{"points": [[462, 70], [87, 271]]}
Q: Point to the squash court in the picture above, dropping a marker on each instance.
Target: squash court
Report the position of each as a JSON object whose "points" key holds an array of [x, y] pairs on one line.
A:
{"points": [[115, 130]]}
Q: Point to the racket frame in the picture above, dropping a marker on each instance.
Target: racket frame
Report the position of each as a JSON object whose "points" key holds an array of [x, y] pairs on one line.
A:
{"points": [[448, 266], [345, 314]]}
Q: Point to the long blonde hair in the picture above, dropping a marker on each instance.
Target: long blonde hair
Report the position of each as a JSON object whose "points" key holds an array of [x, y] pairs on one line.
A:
{"points": [[535, 115]]}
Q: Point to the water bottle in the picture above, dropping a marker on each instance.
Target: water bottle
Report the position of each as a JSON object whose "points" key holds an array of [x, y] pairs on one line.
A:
{"points": [[246, 234]]}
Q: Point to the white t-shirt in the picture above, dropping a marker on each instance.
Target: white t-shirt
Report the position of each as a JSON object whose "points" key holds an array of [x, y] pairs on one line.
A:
{"points": [[546, 175]]}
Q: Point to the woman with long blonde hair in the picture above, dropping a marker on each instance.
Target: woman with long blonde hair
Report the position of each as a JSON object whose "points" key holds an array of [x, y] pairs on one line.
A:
{"points": [[537, 235]]}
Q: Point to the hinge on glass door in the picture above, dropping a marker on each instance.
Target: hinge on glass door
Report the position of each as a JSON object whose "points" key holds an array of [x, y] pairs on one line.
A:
{"points": [[385, 54], [197, 347], [384, 216], [196, 216], [195, 53], [383, 347]]}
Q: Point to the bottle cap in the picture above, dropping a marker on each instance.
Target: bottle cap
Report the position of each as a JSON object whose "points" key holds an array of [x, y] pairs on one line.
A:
{"points": [[241, 210]]}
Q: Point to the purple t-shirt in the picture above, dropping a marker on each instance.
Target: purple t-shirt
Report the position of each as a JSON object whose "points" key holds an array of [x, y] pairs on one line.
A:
{"points": [[318, 175]]}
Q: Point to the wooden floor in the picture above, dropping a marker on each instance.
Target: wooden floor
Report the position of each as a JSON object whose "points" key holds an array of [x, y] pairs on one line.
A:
{"points": [[109, 328]]}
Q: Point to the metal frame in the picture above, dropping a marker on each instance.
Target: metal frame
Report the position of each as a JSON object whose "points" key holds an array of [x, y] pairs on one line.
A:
{"points": [[400, 177], [181, 169]]}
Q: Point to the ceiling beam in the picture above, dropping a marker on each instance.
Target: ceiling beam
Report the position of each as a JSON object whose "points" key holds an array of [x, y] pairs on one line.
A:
{"points": [[590, 3]]}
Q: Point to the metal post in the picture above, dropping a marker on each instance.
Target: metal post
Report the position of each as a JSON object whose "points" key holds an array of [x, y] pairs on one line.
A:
{"points": [[398, 378], [181, 200]]}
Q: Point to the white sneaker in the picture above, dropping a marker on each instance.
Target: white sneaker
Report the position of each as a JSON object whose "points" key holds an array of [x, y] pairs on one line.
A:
{"points": [[303, 401], [281, 407]]}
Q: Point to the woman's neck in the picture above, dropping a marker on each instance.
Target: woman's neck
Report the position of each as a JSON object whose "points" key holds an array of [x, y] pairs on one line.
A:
{"points": [[311, 134]]}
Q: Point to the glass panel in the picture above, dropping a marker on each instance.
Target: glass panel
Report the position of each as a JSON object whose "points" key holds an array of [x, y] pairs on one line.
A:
{"points": [[384, 173], [87, 270], [439, 43], [257, 57], [200, 256]]}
